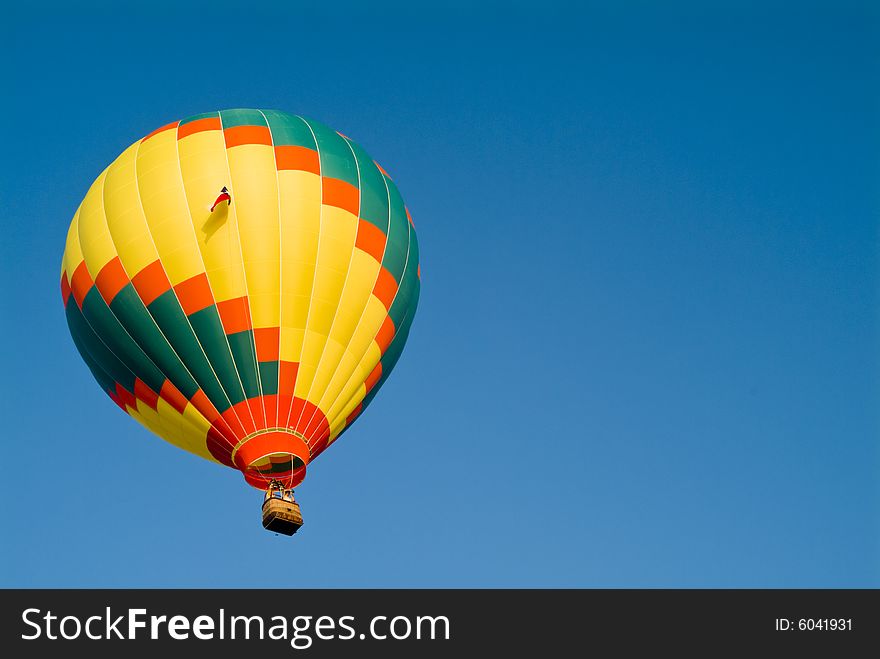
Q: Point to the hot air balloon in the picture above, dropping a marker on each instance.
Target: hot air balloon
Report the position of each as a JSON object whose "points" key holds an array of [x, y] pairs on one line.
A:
{"points": [[242, 283]]}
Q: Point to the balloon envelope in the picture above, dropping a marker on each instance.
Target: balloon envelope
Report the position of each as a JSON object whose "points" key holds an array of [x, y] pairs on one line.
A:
{"points": [[242, 282]]}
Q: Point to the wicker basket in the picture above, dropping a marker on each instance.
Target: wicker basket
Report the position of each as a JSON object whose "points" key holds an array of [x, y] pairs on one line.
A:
{"points": [[281, 516]]}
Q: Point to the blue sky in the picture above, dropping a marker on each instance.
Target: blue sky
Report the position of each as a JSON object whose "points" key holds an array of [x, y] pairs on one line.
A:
{"points": [[646, 352]]}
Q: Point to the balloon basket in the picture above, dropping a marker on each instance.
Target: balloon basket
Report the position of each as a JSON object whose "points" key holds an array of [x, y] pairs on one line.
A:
{"points": [[281, 512]]}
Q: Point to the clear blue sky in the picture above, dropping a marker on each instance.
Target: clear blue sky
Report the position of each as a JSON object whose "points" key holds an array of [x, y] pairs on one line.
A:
{"points": [[647, 349]]}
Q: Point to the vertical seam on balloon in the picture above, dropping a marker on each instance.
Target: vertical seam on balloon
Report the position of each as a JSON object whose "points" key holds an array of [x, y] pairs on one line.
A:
{"points": [[320, 394], [147, 311], [281, 324], [91, 363], [109, 308], [162, 265], [409, 312], [122, 362], [302, 348], [92, 327], [247, 295], [213, 297], [409, 231], [280, 268], [397, 332], [363, 314], [397, 292]]}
